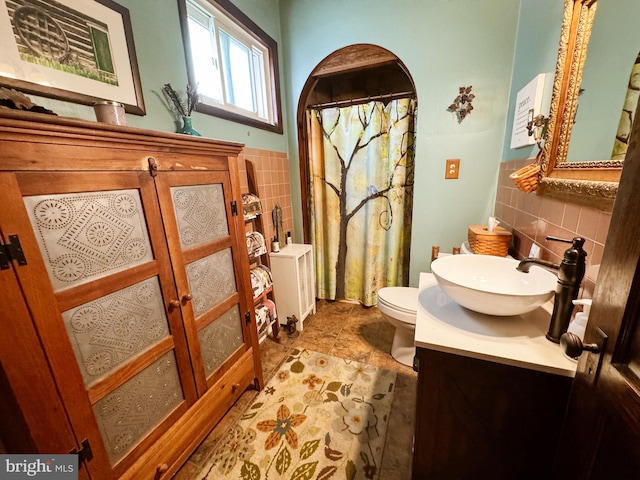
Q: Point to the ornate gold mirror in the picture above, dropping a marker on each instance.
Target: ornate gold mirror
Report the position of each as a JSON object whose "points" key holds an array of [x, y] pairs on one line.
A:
{"points": [[573, 166]]}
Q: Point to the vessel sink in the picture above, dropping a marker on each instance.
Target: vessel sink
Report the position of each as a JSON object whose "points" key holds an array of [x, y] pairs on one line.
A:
{"points": [[492, 285]]}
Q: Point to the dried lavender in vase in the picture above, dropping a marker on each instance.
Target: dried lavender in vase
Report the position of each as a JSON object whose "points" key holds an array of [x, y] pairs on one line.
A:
{"points": [[184, 109]]}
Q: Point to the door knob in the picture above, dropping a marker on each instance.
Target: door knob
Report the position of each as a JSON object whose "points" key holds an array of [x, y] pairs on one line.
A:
{"points": [[573, 346]]}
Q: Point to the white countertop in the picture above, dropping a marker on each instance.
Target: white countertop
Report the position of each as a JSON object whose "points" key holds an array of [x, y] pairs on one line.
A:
{"points": [[445, 326]]}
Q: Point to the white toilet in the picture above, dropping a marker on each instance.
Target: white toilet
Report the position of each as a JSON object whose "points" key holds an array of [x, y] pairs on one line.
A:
{"points": [[398, 305]]}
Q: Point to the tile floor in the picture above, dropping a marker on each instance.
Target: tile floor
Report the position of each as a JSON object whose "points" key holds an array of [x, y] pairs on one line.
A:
{"points": [[343, 330]]}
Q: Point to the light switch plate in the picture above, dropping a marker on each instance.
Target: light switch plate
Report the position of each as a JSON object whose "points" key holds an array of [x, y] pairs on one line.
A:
{"points": [[452, 168]]}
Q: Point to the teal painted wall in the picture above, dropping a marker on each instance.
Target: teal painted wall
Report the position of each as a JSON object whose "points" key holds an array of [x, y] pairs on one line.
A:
{"points": [[445, 45], [536, 51], [161, 59]]}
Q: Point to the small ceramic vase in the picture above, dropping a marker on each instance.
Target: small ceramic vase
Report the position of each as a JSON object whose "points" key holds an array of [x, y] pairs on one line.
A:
{"points": [[187, 128]]}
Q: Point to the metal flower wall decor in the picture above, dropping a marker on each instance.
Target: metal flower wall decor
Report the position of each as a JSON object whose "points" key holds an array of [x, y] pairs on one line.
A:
{"points": [[462, 103]]}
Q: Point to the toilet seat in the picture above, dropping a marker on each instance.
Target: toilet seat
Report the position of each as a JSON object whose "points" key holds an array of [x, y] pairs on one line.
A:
{"points": [[466, 249], [404, 299], [398, 305], [401, 300]]}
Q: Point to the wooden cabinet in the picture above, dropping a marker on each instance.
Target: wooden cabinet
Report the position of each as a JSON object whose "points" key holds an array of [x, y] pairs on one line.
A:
{"points": [[131, 327], [479, 419], [293, 274]]}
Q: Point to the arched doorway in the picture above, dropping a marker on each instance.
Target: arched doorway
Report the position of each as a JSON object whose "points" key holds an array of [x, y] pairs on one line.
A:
{"points": [[360, 86]]}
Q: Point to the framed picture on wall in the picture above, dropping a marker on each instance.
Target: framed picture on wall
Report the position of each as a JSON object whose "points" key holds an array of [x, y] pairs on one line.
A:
{"points": [[79, 51]]}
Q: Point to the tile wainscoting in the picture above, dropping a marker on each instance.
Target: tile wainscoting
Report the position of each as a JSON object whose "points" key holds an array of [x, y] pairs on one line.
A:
{"points": [[532, 217], [272, 172]]}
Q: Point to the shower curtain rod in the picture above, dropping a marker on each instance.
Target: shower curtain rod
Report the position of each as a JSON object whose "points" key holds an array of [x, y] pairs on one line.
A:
{"points": [[355, 101]]}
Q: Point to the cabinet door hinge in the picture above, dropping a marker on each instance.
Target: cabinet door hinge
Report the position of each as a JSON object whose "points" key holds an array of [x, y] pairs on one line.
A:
{"points": [[84, 454], [11, 251], [247, 318], [234, 208]]}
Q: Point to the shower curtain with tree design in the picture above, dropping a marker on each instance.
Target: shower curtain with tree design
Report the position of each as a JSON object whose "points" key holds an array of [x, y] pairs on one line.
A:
{"points": [[627, 115], [361, 170]]}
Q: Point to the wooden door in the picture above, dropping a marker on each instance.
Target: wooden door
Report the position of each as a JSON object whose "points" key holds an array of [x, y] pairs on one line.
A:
{"points": [[34, 418], [100, 287], [601, 436], [206, 250], [24, 375]]}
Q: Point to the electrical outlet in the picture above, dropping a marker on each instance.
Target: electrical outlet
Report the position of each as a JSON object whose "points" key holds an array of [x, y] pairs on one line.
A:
{"points": [[452, 168], [535, 251]]}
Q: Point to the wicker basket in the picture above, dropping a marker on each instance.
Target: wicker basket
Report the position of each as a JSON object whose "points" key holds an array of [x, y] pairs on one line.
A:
{"points": [[527, 178], [484, 242]]}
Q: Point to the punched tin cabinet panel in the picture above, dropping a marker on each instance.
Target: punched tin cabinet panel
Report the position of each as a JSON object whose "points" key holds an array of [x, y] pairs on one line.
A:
{"points": [[108, 331], [211, 280], [200, 214], [132, 410], [220, 339], [87, 236]]}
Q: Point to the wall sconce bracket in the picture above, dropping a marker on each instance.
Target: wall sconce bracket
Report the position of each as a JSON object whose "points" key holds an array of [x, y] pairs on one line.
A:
{"points": [[537, 126]]}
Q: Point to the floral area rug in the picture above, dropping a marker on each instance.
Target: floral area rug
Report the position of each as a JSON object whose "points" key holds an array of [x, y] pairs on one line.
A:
{"points": [[320, 417]]}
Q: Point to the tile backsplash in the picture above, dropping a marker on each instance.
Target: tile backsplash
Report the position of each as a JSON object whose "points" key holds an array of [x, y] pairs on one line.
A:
{"points": [[272, 177], [531, 218]]}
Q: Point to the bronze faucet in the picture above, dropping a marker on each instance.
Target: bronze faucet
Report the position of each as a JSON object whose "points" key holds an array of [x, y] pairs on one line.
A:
{"points": [[570, 274], [527, 263]]}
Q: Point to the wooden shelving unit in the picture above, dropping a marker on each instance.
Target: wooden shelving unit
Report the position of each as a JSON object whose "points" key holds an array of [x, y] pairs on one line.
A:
{"points": [[255, 223]]}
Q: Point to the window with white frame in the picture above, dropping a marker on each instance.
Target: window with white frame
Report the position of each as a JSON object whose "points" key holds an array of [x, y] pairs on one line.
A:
{"points": [[233, 63]]}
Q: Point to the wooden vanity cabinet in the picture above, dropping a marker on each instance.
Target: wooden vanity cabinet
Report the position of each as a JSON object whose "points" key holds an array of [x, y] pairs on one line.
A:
{"points": [[130, 329], [478, 419]]}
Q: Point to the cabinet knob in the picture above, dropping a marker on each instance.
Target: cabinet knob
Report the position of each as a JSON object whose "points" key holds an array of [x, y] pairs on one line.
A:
{"points": [[174, 303], [186, 298], [161, 469], [235, 387]]}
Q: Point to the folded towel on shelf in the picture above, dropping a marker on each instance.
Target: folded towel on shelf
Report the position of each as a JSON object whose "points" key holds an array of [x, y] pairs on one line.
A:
{"points": [[263, 317], [257, 283], [251, 206], [270, 304], [261, 280], [256, 245]]}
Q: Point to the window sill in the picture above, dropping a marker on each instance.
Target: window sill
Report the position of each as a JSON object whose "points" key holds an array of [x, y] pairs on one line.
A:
{"points": [[234, 117]]}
